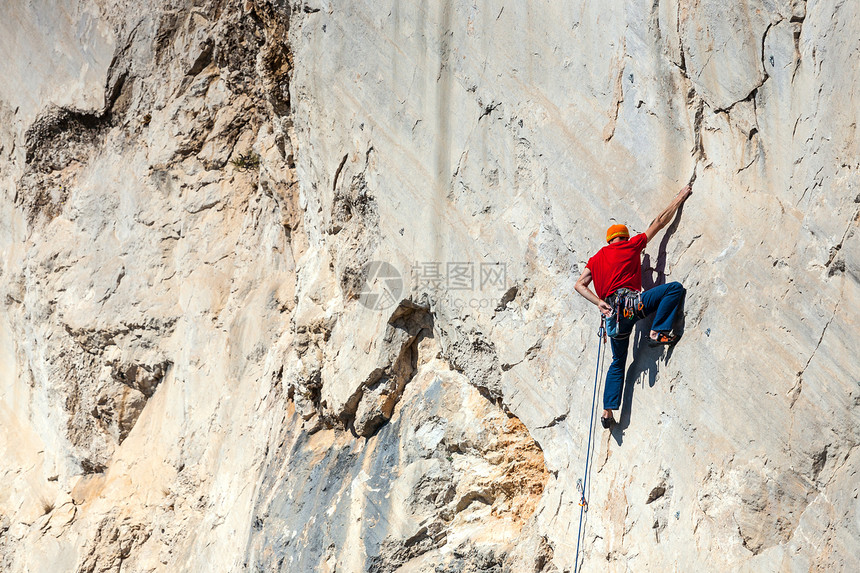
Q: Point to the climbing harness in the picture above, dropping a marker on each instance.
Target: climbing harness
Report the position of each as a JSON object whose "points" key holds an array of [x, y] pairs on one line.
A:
{"points": [[627, 308], [581, 484]]}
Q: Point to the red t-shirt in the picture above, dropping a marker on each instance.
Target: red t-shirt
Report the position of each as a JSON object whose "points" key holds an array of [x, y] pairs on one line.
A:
{"points": [[618, 266]]}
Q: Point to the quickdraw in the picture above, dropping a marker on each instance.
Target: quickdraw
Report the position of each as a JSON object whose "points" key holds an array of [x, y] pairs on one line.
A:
{"points": [[583, 503], [628, 303]]}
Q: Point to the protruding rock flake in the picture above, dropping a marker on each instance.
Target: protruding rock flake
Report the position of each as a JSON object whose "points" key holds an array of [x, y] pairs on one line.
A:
{"points": [[290, 286]]}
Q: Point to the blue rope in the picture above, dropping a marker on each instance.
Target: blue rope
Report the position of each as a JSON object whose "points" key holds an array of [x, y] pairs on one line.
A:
{"points": [[583, 503]]}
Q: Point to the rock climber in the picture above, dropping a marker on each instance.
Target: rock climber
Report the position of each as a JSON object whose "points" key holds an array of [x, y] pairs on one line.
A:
{"points": [[616, 270]]}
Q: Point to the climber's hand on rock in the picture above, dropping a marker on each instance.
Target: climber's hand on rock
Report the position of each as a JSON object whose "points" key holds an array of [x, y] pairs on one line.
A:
{"points": [[604, 307], [685, 192]]}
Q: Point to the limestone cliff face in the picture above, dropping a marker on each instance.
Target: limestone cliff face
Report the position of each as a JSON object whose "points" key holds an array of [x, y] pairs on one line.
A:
{"points": [[288, 285]]}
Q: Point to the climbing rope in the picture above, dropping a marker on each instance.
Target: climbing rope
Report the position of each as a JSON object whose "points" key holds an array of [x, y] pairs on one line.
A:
{"points": [[582, 484]]}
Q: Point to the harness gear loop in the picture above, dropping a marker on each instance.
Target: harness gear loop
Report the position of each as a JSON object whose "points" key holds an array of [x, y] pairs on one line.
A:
{"points": [[626, 305]]}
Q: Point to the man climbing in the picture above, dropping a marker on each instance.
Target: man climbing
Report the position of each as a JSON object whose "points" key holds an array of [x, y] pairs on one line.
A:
{"points": [[617, 274]]}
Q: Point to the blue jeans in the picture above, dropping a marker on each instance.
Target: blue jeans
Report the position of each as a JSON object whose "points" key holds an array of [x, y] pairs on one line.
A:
{"points": [[664, 299]]}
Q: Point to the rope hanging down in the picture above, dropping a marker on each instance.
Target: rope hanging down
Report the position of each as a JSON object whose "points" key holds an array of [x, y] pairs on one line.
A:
{"points": [[583, 483]]}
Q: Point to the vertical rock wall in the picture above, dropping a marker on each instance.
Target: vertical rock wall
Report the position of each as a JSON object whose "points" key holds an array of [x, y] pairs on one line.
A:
{"points": [[289, 285]]}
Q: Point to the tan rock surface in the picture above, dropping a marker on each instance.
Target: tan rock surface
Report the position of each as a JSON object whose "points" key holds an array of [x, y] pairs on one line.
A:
{"points": [[289, 286]]}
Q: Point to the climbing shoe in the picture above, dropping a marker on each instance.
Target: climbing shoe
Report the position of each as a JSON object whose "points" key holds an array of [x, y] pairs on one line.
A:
{"points": [[663, 338], [607, 422]]}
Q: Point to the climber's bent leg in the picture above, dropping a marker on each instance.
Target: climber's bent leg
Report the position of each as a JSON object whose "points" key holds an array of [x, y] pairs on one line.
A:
{"points": [[663, 299]]}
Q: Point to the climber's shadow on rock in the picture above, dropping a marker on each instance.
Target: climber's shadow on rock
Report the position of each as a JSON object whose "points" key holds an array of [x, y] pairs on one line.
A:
{"points": [[656, 275], [646, 359], [645, 365]]}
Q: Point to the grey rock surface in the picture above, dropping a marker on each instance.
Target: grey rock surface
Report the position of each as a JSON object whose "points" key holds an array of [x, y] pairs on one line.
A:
{"points": [[288, 285]]}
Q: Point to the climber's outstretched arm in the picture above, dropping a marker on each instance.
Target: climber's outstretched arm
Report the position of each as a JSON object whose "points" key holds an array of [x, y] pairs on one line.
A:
{"points": [[666, 215], [582, 288]]}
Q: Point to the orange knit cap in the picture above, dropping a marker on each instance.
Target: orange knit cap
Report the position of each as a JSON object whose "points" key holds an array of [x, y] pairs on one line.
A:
{"points": [[617, 231]]}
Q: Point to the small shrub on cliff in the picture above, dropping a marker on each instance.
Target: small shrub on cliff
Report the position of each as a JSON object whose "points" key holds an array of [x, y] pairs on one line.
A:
{"points": [[246, 161]]}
